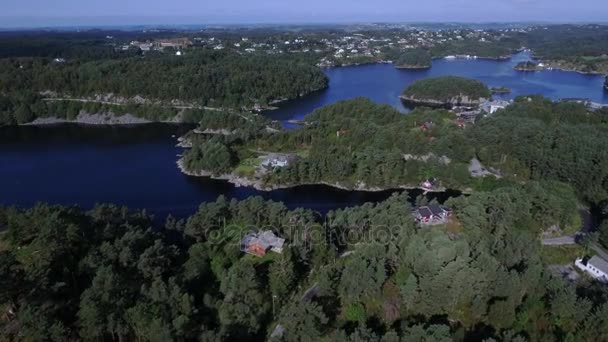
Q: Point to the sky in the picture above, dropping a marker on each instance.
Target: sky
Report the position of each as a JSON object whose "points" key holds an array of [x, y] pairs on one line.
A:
{"points": [[34, 13]]}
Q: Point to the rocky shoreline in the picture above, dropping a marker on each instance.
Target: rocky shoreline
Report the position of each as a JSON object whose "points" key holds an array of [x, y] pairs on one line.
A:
{"points": [[258, 185], [461, 101], [92, 119], [413, 67]]}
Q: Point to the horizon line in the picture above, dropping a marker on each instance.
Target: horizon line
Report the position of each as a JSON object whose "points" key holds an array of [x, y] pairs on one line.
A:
{"points": [[244, 23]]}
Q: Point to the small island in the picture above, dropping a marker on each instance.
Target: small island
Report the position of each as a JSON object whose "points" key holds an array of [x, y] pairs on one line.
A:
{"points": [[500, 90], [528, 66], [448, 91], [414, 59]]}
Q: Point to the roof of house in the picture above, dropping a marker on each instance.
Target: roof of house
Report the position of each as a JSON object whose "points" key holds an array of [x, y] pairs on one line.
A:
{"points": [[599, 263], [280, 157], [436, 209], [425, 212], [264, 239]]}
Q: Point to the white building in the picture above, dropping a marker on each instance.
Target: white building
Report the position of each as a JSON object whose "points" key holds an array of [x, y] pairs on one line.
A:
{"points": [[277, 160], [492, 107], [595, 267]]}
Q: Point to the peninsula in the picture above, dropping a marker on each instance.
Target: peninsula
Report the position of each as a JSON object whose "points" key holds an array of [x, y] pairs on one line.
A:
{"points": [[339, 145]]}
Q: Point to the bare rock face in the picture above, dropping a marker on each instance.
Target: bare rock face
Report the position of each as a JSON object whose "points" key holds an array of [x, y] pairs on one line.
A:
{"points": [[461, 100]]}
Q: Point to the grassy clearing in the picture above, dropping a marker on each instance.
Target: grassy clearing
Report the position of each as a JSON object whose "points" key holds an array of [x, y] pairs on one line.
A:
{"points": [[247, 166], [560, 255], [303, 153]]}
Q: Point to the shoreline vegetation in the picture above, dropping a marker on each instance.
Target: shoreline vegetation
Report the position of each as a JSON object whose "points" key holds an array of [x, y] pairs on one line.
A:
{"points": [[447, 91], [344, 145], [260, 185], [328, 150], [33, 87], [414, 59], [408, 267], [500, 90]]}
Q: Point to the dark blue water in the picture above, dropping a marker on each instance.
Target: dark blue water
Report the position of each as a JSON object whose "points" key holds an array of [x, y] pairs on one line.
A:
{"points": [[384, 83], [135, 166]]}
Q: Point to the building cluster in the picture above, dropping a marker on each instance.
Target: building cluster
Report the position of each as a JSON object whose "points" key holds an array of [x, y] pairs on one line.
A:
{"points": [[160, 44], [469, 115], [332, 47]]}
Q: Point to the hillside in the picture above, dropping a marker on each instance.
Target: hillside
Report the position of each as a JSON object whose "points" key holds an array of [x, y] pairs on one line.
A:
{"points": [[414, 59], [210, 79]]}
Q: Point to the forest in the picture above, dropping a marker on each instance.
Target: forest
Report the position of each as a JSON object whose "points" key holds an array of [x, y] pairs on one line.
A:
{"points": [[361, 144], [500, 49], [358, 142], [202, 78], [571, 47], [414, 59], [447, 90], [114, 274]]}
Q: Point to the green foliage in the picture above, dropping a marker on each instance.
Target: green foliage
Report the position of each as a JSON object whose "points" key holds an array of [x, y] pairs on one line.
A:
{"points": [[358, 142], [498, 49], [106, 274], [603, 234], [446, 89], [355, 312], [538, 139], [527, 66], [561, 255], [414, 58], [210, 156], [304, 322], [219, 79]]}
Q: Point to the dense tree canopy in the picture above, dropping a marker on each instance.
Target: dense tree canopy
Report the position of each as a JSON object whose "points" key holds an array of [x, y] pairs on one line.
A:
{"points": [[358, 143], [207, 78], [114, 274], [201, 78], [447, 90], [538, 139], [414, 59]]}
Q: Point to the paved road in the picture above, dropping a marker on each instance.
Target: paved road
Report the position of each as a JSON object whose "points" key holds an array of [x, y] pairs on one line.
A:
{"points": [[559, 241], [588, 224]]}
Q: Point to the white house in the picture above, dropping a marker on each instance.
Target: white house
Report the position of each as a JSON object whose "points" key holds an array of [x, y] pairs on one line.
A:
{"points": [[492, 107], [277, 160], [595, 267]]}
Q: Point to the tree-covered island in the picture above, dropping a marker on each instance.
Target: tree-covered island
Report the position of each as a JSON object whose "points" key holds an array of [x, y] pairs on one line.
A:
{"points": [[447, 91]]}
